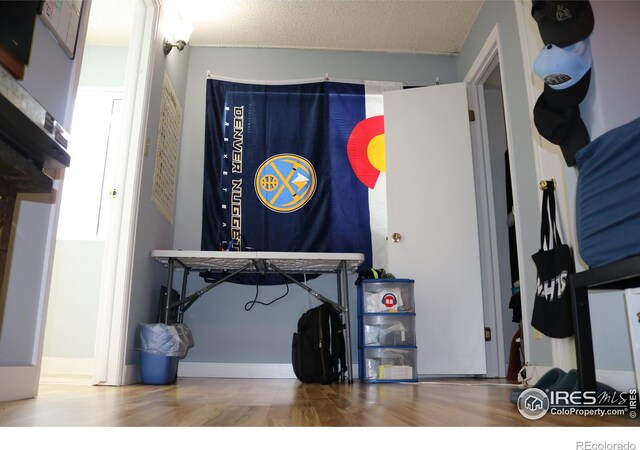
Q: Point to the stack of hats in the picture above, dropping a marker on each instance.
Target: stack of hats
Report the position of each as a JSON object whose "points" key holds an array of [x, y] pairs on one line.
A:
{"points": [[565, 66]]}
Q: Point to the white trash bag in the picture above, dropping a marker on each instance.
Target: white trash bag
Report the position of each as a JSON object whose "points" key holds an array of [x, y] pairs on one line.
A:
{"points": [[164, 340]]}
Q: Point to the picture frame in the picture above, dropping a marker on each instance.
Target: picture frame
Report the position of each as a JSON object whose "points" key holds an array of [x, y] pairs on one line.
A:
{"points": [[62, 18]]}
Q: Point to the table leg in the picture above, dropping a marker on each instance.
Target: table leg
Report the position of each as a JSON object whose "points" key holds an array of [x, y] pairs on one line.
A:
{"points": [[167, 299], [583, 338], [347, 320], [185, 278]]}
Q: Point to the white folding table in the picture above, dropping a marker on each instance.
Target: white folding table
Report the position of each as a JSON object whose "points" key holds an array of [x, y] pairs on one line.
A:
{"points": [[287, 264]]}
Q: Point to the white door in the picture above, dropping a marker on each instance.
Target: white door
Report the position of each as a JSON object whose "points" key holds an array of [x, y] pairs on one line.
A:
{"points": [[432, 206]]}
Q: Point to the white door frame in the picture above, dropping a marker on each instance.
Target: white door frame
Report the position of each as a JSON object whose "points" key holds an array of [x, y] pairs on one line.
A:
{"points": [[113, 313], [489, 56], [562, 350]]}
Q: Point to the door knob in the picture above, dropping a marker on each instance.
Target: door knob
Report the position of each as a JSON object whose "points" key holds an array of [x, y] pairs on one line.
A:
{"points": [[396, 237]]}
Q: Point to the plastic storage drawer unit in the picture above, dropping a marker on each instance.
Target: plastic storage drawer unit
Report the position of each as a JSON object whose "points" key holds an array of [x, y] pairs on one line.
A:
{"points": [[386, 331]]}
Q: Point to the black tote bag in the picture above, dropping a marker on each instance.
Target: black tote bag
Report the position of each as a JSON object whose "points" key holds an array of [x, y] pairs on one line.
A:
{"points": [[554, 263]]}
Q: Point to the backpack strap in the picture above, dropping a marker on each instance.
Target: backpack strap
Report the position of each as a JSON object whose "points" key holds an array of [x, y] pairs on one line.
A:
{"points": [[337, 343]]}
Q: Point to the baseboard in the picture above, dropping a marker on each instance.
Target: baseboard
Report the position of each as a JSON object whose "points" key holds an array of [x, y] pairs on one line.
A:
{"points": [[67, 366], [622, 380], [239, 370], [18, 382], [131, 374], [534, 373], [234, 370]]}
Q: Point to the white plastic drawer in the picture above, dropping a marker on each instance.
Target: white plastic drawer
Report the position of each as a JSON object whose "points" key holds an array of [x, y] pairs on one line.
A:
{"points": [[389, 330], [390, 364], [387, 296]]}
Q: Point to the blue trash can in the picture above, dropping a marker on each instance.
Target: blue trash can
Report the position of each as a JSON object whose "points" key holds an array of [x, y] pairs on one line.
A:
{"points": [[161, 347], [158, 369]]}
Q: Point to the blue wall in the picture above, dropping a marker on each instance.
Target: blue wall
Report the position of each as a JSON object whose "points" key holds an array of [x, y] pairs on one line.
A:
{"points": [[223, 330], [48, 79]]}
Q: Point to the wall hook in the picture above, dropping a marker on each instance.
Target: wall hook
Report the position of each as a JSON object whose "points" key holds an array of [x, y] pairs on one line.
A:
{"points": [[544, 184]]}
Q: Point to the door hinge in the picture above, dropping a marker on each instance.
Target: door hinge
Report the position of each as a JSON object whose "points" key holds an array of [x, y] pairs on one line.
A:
{"points": [[113, 193], [487, 334], [472, 116]]}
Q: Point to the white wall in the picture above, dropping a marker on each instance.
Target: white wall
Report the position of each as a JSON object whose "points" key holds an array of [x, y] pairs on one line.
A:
{"points": [[103, 66], [614, 95]]}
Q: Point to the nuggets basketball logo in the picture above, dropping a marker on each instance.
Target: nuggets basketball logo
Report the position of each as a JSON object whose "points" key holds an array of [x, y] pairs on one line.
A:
{"points": [[285, 182], [389, 300]]}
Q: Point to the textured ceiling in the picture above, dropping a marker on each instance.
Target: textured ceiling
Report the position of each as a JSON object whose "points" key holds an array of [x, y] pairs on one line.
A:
{"points": [[424, 27], [110, 22]]}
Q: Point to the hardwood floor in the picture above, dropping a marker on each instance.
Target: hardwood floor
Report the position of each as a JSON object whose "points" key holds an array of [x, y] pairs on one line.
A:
{"points": [[210, 402]]}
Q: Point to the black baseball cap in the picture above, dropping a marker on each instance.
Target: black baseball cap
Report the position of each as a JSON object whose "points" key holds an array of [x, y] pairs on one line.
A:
{"points": [[563, 127], [563, 23]]}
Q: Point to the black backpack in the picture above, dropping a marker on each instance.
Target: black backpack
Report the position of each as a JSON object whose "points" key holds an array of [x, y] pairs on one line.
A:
{"points": [[318, 348]]}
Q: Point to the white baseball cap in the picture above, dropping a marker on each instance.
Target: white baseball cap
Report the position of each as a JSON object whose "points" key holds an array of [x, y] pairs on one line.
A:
{"points": [[562, 67]]}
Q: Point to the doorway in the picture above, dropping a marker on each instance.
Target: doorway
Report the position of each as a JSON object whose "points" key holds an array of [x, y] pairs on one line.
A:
{"points": [[85, 224], [506, 280], [83, 228], [496, 221]]}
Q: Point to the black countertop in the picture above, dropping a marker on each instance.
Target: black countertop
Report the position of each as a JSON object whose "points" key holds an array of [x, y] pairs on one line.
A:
{"points": [[21, 133], [30, 141]]}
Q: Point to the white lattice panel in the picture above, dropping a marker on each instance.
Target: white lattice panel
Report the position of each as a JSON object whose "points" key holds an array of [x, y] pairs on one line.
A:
{"points": [[167, 151]]}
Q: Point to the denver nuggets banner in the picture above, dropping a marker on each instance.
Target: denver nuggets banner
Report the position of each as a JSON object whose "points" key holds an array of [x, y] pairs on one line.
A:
{"points": [[289, 168]]}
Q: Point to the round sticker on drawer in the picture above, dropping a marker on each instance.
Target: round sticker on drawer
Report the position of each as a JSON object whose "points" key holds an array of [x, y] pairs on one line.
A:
{"points": [[389, 300]]}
